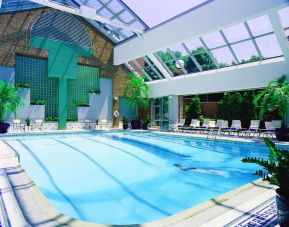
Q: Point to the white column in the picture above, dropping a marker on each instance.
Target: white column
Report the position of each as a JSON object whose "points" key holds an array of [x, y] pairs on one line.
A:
{"points": [[173, 111]]}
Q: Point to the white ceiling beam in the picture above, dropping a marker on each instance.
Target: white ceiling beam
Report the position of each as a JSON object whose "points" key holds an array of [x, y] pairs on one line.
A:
{"points": [[211, 17], [280, 33], [86, 12]]}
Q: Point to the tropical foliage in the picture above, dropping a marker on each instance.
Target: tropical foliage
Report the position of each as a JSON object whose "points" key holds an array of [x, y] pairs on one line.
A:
{"points": [[275, 96], [193, 110], [249, 108], [9, 100], [275, 168], [137, 92], [235, 106]]}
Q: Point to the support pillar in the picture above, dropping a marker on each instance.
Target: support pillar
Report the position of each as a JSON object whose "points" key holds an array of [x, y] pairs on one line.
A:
{"points": [[173, 111]]}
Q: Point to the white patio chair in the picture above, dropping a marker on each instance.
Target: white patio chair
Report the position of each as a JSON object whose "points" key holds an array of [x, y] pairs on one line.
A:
{"points": [[38, 124]]}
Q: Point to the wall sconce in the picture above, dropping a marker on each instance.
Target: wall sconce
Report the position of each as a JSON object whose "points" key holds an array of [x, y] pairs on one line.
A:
{"points": [[115, 98], [170, 97]]}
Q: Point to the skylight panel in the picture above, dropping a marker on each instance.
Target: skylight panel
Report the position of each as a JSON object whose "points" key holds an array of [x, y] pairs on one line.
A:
{"points": [[105, 13], [284, 17], [165, 55], [178, 50], [155, 12], [269, 46], [246, 52], [126, 16], [115, 6], [95, 4], [134, 67], [260, 25], [214, 40], [236, 33], [195, 46], [224, 57]]}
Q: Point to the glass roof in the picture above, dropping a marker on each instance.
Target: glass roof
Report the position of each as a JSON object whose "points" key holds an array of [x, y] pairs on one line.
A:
{"points": [[155, 12], [250, 41]]}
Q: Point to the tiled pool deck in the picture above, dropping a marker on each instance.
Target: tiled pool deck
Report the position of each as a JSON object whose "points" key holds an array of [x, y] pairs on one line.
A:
{"points": [[250, 205]]}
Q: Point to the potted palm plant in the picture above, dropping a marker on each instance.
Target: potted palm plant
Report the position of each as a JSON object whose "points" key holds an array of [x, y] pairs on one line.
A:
{"points": [[145, 123], [277, 173], [9, 101], [124, 123], [276, 97], [137, 92]]}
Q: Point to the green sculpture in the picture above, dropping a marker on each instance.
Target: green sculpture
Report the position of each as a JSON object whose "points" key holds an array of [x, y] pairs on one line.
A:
{"points": [[65, 39]]}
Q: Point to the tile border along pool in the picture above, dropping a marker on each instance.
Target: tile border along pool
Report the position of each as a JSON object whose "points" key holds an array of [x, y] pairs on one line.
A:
{"points": [[24, 201]]}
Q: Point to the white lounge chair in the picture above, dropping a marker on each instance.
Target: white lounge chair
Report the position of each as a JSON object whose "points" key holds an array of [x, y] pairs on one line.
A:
{"points": [[194, 124], [180, 124], [17, 124], [89, 124], [269, 130], [38, 124], [235, 128], [206, 124], [277, 123], [252, 130]]}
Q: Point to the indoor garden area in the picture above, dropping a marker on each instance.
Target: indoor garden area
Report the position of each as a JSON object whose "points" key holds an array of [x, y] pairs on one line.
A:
{"points": [[144, 113]]}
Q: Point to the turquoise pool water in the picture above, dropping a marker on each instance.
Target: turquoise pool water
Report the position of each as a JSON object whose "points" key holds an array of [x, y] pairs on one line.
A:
{"points": [[129, 178]]}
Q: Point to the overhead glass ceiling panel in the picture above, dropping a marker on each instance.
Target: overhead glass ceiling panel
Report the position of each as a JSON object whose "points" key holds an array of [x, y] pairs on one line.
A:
{"points": [[236, 33], [269, 46], [214, 40], [224, 57], [246, 52], [260, 25], [135, 68], [155, 12], [195, 46], [179, 50], [165, 55], [189, 64], [284, 17], [126, 17], [106, 13], [115, 6]]}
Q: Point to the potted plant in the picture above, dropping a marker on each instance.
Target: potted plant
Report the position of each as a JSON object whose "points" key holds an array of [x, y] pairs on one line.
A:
{"points": [[137, 92], [9, 101], [276, 97], [124, 123], [27, 121], [145, 123], [277, 173]]}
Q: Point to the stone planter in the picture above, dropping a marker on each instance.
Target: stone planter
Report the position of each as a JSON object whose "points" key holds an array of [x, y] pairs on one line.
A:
{"points": [[282, 134], [282, 203], [4, 127]]}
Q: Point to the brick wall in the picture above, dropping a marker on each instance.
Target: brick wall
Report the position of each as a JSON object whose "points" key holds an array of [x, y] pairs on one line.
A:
{"points": [[14, 39]]}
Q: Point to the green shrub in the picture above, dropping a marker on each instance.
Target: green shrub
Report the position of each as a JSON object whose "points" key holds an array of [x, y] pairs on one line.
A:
{"points": [[37, 102], [51, 119], [193, 110], [19, 85], [230, 107], [249, 107], [96, 91]]}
